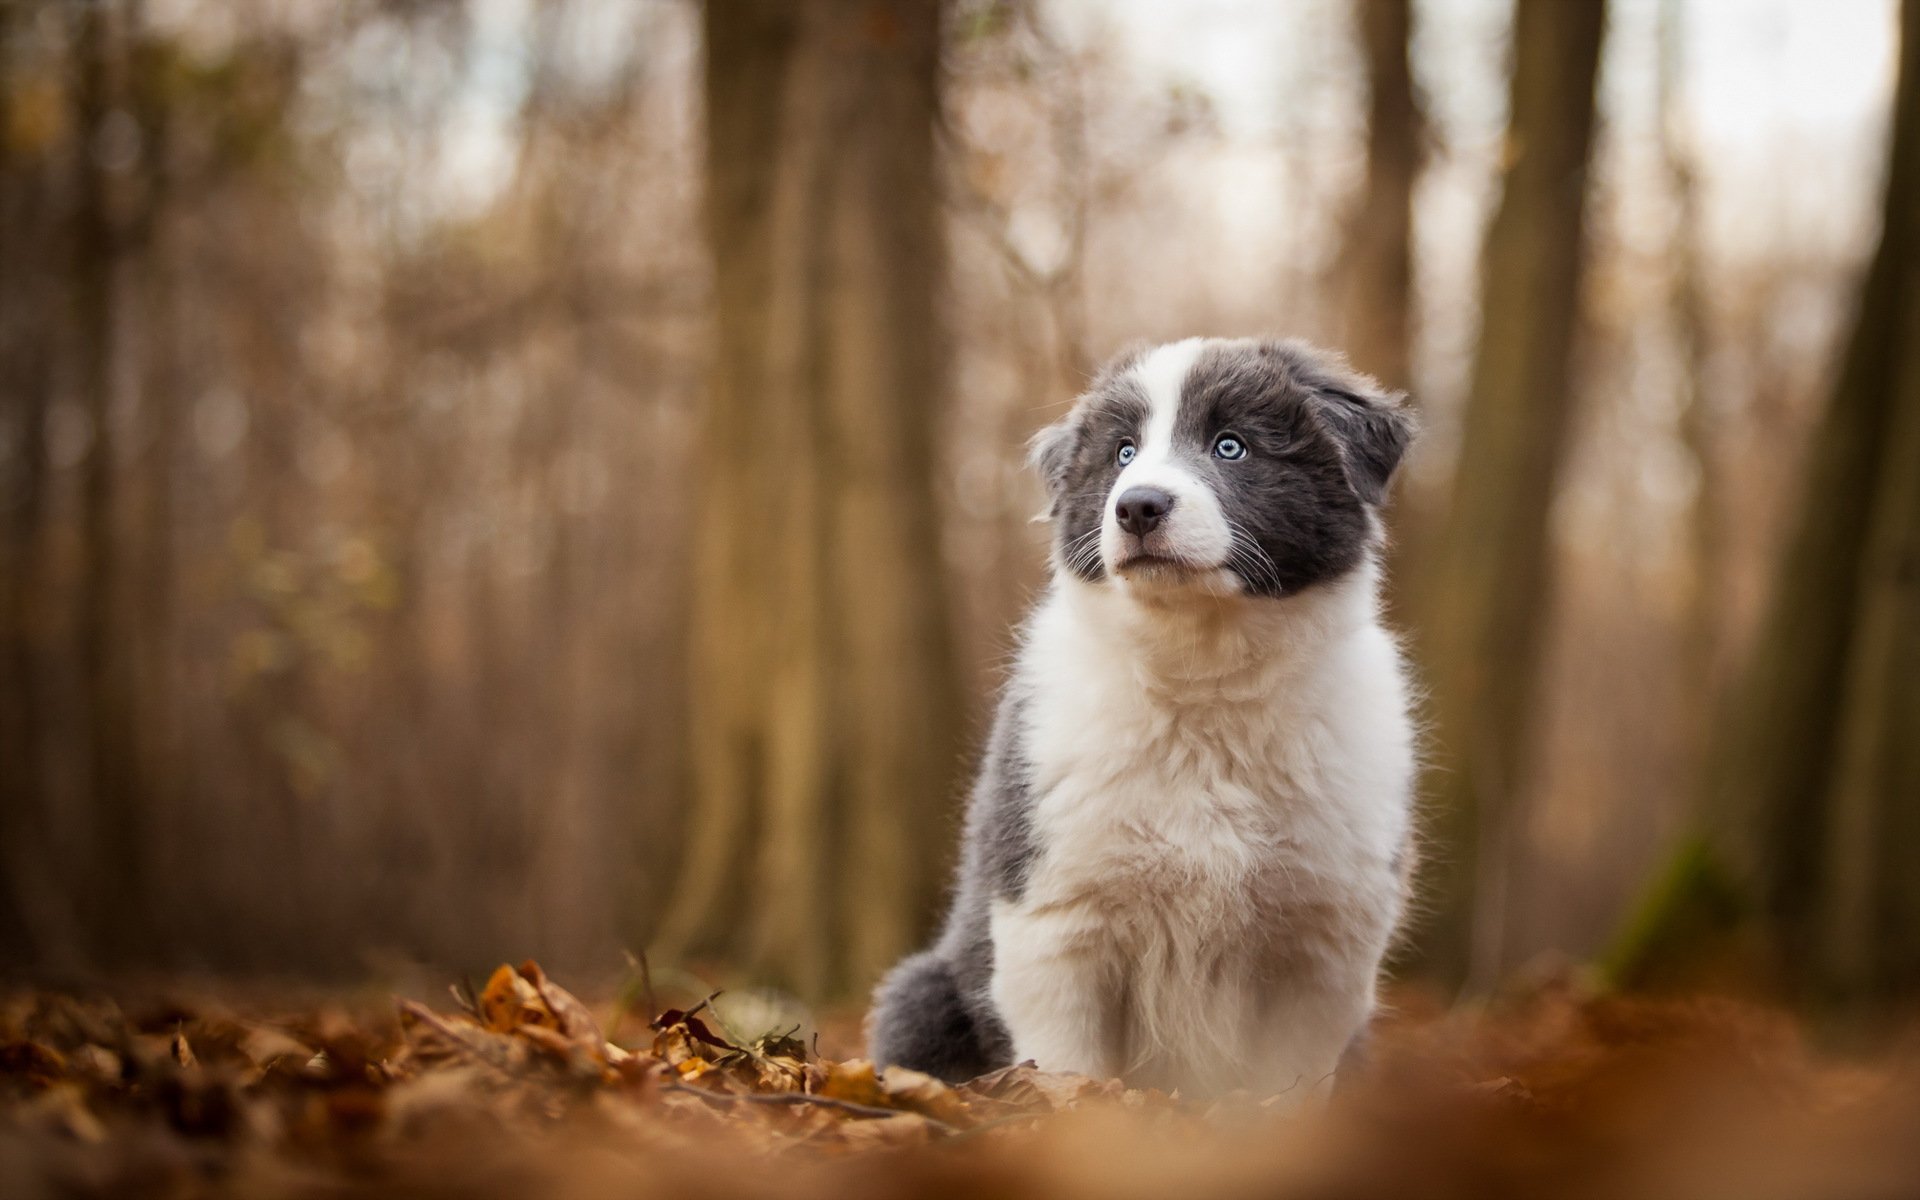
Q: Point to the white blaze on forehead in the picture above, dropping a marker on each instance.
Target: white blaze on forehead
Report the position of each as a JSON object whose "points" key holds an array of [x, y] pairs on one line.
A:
{"points": [[1161, 375], [1196, 529]]}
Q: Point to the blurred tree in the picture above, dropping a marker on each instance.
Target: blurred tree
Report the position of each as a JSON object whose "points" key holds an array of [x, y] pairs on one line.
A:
{"points": [[1371, 279], [824, 709], [152, 110], [24, 364], [1812, 805], [1487, 582], [100, 133], [1687, 297], [1373, 275]]}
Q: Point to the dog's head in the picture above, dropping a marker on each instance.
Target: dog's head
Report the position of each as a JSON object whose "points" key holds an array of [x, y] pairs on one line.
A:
{"points": [[1249, 467]]}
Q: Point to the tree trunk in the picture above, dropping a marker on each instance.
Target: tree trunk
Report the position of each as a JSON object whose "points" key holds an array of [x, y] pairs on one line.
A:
{"points": [[1488, 583], [1824, 752], [107, 682], [24, 385], [823, 708], [159, 749], [1810, 805], [1687, 298], [1374, 273]]}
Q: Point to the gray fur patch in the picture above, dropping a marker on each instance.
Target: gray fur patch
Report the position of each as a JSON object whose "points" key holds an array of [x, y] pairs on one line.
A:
{"points": [[932, 1012], [1321, 444], [1079, 464], [1000, 819]]}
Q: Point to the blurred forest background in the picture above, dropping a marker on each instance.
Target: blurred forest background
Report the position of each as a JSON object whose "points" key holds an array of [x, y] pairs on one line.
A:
{"points": [[490, 478]]}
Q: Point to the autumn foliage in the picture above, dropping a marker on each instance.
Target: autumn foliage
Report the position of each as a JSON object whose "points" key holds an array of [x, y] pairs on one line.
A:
{"points": [[518, 1091]]}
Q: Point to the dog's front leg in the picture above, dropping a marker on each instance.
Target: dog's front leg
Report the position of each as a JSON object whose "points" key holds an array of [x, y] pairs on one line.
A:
{"points": [[1055, 987], [1309, 1026]]}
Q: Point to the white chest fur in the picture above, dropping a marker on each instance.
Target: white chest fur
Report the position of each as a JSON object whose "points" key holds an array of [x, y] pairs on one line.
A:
{"points": [[1221, 797]]}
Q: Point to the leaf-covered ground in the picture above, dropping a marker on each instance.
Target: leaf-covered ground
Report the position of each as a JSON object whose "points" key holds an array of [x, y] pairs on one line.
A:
{"points": [[516, 1092]]}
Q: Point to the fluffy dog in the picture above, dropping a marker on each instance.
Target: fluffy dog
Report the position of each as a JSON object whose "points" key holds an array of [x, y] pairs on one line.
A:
{"points": [[1186, 853]]}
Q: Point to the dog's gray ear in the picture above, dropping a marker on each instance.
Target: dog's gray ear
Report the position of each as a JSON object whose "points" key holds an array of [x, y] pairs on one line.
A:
{"points": [[1374, 428], [1050, 453]]}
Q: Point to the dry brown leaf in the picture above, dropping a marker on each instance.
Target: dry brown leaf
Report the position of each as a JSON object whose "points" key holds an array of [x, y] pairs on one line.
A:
{"points": [[182, 1051], [856, 1082], [899, 1129], [777, 1073], [1028, 1088], [572, 1019], [98, 1064], [63, 1107], [506, 1001], [38, 1064], [924, 1094], [432, 1037], [262, 1045]]}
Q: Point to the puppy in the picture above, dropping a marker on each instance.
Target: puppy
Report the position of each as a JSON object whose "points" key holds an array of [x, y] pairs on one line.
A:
{"points": [[1186, 853]]}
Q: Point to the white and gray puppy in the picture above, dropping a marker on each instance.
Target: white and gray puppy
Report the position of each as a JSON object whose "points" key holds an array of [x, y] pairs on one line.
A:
{"points": [[1186, 852]]}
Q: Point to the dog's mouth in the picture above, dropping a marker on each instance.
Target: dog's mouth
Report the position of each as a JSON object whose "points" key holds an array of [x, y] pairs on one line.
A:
{"points": [[1147, 563]]}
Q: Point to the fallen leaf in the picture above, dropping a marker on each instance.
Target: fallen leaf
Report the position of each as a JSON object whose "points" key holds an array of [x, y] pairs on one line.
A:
{"points": [[924, 1094], [572, 1019], [1027, 1087], [856, 1082]]}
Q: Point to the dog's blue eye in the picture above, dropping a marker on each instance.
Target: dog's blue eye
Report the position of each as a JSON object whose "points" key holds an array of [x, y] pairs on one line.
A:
{"points": [[1125, 454], [1229, 446]]}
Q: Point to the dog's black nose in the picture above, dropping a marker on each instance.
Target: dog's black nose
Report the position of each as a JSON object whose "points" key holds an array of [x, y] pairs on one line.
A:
{"points": [[1141, 509]]}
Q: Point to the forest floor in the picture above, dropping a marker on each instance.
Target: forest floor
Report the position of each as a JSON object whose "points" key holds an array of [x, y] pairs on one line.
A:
{"points": [[514, 1089]]}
